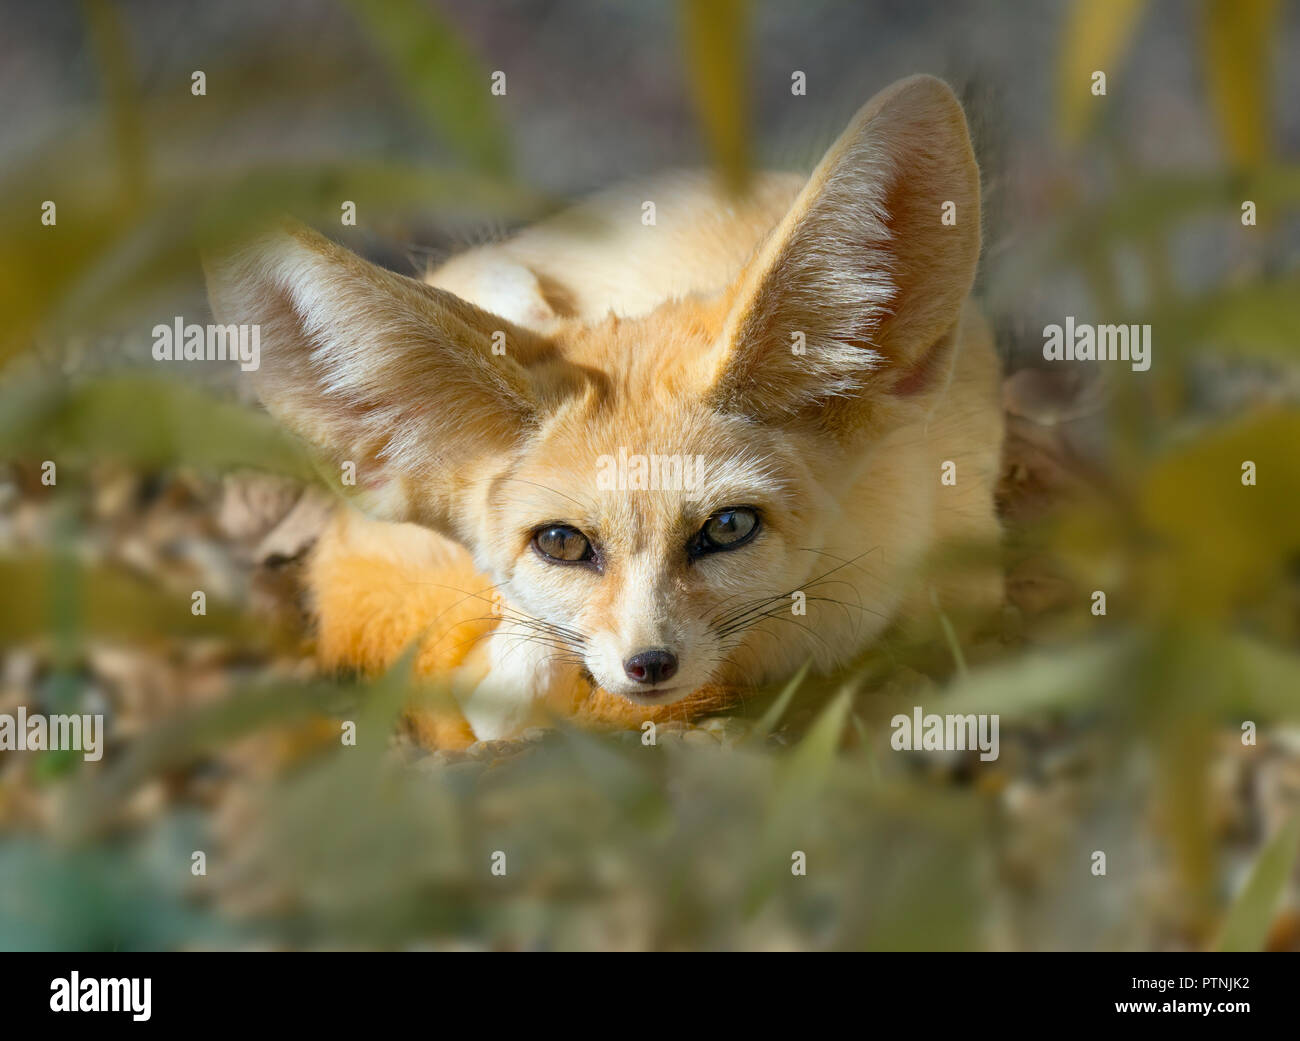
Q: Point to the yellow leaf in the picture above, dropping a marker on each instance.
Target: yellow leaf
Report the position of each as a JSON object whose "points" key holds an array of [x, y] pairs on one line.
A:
{"points": [[1236, 38], [1094, 39], [1222, 543], [715, 37]]}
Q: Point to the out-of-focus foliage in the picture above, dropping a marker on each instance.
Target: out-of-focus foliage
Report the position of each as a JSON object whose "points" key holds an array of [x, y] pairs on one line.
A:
{"points": [[1112, 725], [131, 229], [440, 75], [1094, 37], [715, 38], [144, 420], [1247, 926], [1236, 37]]}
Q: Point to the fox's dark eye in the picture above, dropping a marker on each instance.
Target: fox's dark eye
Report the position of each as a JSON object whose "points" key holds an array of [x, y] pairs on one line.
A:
{"points": [[563, 543], [726, 529]]}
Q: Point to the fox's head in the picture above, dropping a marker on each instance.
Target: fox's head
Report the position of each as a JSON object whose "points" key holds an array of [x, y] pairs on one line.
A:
{"points": [[644, 490]]}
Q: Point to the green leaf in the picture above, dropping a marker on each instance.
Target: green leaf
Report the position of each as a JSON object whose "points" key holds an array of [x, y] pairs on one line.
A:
{"points": [[441, 75], [1261, 319], [1247, 924], [777, 709], [145, 420], [111, 897], [799, 779], [63, 279], [1043, 681], [111, 45], [1142, 207], [115, 604], [1220, 542], [804, 771], [1268, 678], [621, 776], [182, 738]]}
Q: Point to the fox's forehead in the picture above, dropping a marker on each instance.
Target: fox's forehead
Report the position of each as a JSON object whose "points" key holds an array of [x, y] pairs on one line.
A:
{"points": [[649, 474], [639, 452], [661, 357]]}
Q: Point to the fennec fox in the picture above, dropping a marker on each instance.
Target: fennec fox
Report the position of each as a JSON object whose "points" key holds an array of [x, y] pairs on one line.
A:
{"points": [[621, 470]]}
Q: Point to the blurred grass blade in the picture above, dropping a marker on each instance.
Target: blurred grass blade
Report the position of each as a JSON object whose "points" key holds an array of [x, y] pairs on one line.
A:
{"points": [[1260, 319], [954, 644], [804, 771], [441, 76], [309, 709], [113, 897], [179, 741], [112, 50], [116, 261], [146, 421], [1223, 541], [1037, 682], [715, 37], [1267, 679], [115, 604], [799, 779], [1237, 36], [1247, 925], [778, 707], [1095, 37], [622, 777], [1142, 207]]}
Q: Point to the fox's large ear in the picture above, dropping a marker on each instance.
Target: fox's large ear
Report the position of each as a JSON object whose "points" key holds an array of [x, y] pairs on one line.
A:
{"points": [[377, 370], [854, 297]]}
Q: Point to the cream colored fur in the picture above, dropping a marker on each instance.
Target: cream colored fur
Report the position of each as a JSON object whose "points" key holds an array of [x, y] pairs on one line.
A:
{"points": [[671, 339]]}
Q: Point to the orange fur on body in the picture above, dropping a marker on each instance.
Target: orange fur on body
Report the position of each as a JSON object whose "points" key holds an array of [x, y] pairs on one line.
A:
{"points": [[668, 340]]}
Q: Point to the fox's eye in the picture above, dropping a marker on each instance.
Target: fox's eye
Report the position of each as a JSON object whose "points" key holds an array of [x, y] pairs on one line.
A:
{"points": [[726, 529], [563, 543]]}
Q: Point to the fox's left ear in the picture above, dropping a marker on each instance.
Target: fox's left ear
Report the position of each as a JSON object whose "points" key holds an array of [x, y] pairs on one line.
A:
{"points": [[853, 299], [398, 386]]}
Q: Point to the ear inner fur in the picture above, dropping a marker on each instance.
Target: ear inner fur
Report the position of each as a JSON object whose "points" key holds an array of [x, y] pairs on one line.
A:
{"points": [[371, 367], [862, 266]]}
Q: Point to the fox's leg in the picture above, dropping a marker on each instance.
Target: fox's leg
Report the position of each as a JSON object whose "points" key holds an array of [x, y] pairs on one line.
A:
{"points": [[440, 728], [379, 589], [503, 688]]}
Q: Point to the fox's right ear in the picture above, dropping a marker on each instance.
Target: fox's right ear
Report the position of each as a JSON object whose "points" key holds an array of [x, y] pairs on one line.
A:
{"points": [[377, 370], [849, 307]]}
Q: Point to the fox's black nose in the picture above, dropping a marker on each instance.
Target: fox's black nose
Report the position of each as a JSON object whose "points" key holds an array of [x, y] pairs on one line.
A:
{"points": [[651, 666]]}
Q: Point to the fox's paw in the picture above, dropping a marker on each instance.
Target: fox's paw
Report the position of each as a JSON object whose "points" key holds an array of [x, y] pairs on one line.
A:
{"points": [[439, 728]]}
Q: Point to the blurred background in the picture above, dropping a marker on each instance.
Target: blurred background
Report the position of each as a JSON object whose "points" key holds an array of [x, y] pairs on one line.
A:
{"points": [[1164, 733]]}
